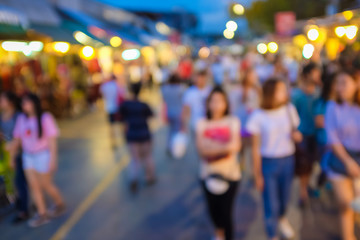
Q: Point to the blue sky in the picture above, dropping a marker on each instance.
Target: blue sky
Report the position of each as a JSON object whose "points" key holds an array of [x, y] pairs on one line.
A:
{"points": [[212, 14]]}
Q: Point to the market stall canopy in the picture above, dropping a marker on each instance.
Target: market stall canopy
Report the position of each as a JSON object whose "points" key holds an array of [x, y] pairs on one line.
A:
{"points": [[37, 11], [12, 22], [60, 33], [101, 29]]}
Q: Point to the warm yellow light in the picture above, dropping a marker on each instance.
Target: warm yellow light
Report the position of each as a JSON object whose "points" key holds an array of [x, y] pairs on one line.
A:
{"points": [[232, 26], [351, 31], [87, 52], [82, 37], [308, 51], [61, 47], [348, 15], [340, 31], [300, 40], [228, 34], [262, 48], [204, 52], [273, 47], [115, 41], [238, 9], [332, 48], [313, 34], [163, 28]]}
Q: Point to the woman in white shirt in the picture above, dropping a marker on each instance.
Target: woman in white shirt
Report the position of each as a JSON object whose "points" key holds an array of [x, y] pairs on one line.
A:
{"points": [[218, 142], [273, 129]]}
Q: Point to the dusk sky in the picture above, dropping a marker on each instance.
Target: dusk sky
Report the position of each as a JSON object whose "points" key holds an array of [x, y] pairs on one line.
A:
{"points": [[212, 14]]}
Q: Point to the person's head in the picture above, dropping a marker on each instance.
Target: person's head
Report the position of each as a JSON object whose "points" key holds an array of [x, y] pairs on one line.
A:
{"points": [[201, 78], [328, 90], [217, 104], [9, 102], [174, 79], [250, 78], [346, 89], [312, 74], [135, 89], [31, 106], [275, 94]]}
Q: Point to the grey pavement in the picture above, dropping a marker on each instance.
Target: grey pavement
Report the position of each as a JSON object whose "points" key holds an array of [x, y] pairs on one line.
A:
{"points": [[174, 208]]}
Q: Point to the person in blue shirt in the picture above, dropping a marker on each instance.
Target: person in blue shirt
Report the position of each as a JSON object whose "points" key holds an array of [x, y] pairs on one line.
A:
{"points": [[327, 95], [304, 99]]}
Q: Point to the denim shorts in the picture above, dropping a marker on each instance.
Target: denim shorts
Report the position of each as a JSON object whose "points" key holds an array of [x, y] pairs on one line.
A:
{"points": [[40, 161]]}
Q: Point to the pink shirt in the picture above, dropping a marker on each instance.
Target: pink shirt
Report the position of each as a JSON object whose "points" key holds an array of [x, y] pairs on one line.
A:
{"points": [[26, 130]]}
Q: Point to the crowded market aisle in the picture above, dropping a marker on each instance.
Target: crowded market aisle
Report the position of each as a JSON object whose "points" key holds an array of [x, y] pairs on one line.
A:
{"points": [[174, 208]]}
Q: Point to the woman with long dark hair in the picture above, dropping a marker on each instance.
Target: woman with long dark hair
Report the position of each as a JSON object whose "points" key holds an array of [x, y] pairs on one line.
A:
{"points": [[37, 133], [273, 129], [10, 110], [218, 141]]}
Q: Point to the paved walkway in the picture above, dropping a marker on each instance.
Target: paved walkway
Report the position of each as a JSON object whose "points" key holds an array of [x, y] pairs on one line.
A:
{"points": [[92, 178]]}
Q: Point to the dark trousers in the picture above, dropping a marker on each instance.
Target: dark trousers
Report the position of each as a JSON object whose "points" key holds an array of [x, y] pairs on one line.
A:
{"points": [[21, 187], [221, 208], [278, 175]]}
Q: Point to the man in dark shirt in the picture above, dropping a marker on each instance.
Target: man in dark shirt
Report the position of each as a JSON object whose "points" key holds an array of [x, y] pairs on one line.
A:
{"points": [[135, 115]]}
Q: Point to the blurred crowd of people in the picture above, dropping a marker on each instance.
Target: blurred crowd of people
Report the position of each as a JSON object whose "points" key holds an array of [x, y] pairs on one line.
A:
{"points": [[285, 115]]}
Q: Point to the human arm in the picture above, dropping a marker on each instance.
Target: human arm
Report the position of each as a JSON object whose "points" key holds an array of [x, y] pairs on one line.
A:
{"points": [[332, 127], [257, 162], [53, 148], [185, 116], [209, 148]]}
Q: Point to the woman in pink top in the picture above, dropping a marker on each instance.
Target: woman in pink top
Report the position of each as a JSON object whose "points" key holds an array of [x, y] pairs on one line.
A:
{"points": [[36, 132]]}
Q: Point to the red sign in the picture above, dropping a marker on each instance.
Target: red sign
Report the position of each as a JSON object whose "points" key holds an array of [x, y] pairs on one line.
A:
{"points": [[285, 23]]}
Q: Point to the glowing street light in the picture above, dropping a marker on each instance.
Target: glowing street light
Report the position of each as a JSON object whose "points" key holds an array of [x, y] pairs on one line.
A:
{"points": [[308, 51], [61, 47], [351, 31], [87, 52], [228, 34], [204, 52], [130, 54], [273, 47], [115, 41], [313, 34], [163, 28], [238, 9], [262, 48], [348, 15], [232, 26], [340, 31]]}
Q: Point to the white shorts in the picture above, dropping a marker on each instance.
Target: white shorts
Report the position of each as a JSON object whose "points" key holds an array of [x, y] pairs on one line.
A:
{"points": [[39, 162]]}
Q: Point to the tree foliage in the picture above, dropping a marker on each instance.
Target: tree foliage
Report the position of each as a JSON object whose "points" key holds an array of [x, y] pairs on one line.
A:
{"points": [[261, 14]]}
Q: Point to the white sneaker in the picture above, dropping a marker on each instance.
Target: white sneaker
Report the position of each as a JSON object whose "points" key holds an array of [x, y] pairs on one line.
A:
{"points": [[286, 229], [355, 204]]}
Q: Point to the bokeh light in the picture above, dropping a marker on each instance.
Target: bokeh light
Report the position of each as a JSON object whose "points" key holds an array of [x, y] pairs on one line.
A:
{"points": [[232, 26], [273, 47], [340, 31], [87, 53], [262, 48], [351, 32], [204, 52], [238, 9], [115, 41], [228, 34], [308, 51], [313, 34], [61, 47], [130, 54]]}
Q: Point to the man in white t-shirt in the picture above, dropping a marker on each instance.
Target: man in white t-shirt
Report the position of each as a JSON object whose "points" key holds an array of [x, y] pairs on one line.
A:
{"points": [[194, 101]]}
